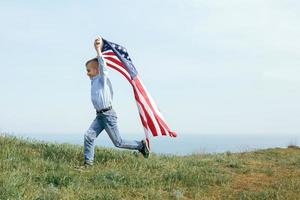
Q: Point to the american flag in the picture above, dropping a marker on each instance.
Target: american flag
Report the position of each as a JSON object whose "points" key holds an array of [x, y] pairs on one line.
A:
{"points": [[152, 120]]}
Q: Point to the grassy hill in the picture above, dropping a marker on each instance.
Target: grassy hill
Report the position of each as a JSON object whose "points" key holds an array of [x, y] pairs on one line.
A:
{"points": [[36, 170]]}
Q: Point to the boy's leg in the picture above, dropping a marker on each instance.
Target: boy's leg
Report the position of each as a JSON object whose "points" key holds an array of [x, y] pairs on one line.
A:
{"points": [[89, 137], [113, 132]]}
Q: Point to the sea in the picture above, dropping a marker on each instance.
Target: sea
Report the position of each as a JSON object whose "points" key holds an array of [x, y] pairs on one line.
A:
{"points": [[183, 144]]}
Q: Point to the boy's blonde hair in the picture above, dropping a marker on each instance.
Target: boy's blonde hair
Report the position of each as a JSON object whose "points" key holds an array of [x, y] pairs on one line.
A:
{"points": [[91, 60]]}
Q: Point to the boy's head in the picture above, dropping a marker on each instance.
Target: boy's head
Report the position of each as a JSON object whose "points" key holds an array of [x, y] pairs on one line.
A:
{"points": [[92, 67]]}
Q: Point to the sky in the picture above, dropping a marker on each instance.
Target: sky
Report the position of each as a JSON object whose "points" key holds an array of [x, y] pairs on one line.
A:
{"points": [[213, 67]]}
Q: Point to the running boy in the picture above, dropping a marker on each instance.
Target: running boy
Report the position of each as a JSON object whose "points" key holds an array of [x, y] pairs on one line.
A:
{"points": [[106, 118]]}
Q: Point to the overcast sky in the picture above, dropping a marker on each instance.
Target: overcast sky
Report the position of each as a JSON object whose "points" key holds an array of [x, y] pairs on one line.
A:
{"points": [[212, 66]]}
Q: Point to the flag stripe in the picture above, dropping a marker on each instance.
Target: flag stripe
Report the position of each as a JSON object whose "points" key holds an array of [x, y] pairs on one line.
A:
{"points": [[119, 69], [109, 52], [116, 61]]}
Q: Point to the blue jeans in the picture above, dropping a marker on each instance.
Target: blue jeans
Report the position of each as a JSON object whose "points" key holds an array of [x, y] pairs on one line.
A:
{"points": [[107, 121]]}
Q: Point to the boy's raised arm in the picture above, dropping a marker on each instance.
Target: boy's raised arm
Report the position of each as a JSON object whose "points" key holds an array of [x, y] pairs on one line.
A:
{"points": [[102, 65]]}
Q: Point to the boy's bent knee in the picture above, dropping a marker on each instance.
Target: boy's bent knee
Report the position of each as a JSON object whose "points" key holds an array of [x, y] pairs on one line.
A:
{"points": [[90, 135]]}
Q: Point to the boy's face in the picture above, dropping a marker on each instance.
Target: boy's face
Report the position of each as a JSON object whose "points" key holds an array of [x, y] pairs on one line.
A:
{"points": [[92, 69]]}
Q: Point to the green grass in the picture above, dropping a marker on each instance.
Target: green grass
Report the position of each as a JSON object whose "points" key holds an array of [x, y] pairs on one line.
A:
{"points": [[36, 170]]}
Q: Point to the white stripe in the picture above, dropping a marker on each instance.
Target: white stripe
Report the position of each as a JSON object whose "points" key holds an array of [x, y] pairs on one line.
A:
{"points": [[111, 56], [147, 134], [108, 51], [149, 111], [146, 129], [119, 67], [116, 65], [142, 114]]}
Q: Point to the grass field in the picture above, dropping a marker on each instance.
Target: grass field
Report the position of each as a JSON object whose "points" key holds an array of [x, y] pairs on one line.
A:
{"points": [[36, 170]]}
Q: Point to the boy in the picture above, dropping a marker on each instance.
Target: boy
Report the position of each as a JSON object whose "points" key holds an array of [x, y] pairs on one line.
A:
{"points": [[101, 96]]}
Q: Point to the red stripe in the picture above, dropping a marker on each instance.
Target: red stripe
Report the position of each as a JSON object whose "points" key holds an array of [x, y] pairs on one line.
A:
{"points": [[116, 61], [148, 143], [110, 53], [119, 70], [162, 130], [143, 121], [151, 124]]}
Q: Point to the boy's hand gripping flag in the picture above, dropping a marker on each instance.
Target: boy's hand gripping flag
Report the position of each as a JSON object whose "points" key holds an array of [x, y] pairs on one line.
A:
{"points": [[153, 122]]}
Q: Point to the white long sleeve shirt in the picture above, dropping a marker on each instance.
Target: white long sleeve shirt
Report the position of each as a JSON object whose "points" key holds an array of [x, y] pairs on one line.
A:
{"points": [[101, 88]]}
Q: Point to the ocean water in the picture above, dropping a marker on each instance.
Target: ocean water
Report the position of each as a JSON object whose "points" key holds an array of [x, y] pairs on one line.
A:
{"points": [[184, 144]]}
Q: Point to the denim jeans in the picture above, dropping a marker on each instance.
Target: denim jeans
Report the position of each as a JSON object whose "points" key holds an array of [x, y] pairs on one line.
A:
{"points": [[107, 121]]}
